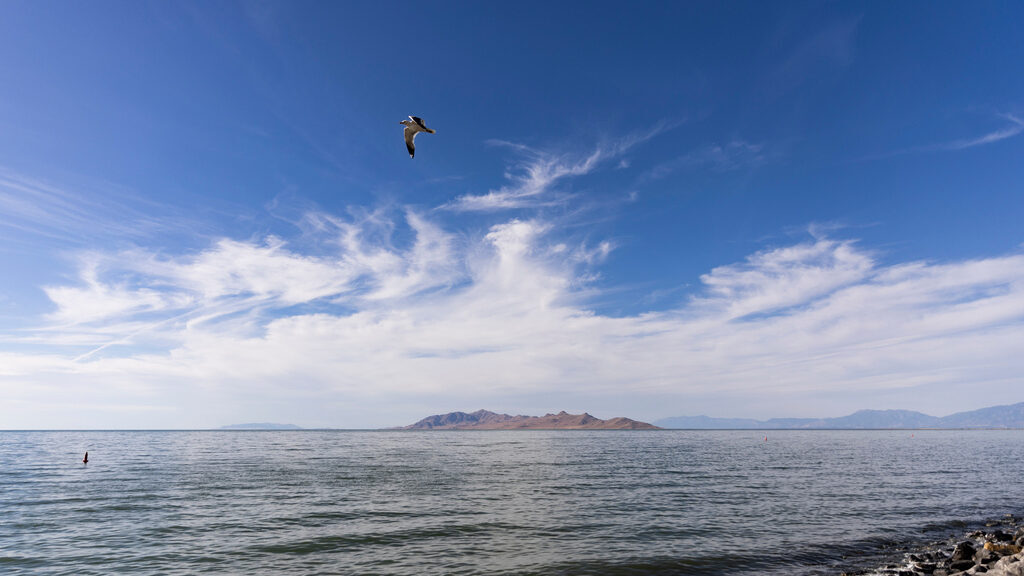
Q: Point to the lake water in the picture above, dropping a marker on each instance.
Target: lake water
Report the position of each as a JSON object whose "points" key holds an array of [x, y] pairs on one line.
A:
{"points": [[523, 502]]}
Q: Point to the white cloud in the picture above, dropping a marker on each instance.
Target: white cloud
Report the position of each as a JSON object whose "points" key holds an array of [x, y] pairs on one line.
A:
{"points": [[532, 180], [98, 300], [791, 276], [504, 315], [1016, 127]]}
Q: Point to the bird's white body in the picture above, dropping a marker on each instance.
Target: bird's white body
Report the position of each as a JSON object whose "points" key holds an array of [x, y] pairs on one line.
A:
{"points": [[413, 126]]}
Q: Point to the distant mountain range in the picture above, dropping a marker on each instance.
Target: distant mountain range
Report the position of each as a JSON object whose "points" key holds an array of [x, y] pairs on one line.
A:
{"points": [[1009, 416], [260, 426], [486, 420]]}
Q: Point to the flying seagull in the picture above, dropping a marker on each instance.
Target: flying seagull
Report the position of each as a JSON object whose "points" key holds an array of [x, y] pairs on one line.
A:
{"points": [[413, 126]]}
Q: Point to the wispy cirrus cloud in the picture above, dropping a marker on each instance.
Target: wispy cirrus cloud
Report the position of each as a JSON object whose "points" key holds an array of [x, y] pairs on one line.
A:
{"points": [[533, 177], [1015, 127], [805, 55], [1012, 127], [529, 181], [36, 209], [734, 155]]}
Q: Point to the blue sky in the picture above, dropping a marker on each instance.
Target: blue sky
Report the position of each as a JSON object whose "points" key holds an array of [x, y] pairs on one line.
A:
{"points": [[207, 214]]}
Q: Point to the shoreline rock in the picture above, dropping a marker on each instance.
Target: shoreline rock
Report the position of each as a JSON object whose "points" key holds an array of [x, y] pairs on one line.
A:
{"points": [[995, 552]]}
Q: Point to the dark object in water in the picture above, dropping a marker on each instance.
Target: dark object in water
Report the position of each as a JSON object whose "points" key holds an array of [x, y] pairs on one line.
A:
{"points": [[86, 459]]}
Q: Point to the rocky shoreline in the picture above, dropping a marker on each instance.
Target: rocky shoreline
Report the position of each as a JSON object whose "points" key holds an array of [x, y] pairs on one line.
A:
{"points": [[993, 551]]}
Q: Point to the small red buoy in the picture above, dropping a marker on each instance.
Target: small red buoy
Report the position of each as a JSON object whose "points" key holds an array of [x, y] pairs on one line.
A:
{"points": [[86, 459]]}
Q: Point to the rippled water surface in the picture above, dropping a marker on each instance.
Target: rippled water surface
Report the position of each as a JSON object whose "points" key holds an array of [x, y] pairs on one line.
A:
{"points": [[522, 502]]}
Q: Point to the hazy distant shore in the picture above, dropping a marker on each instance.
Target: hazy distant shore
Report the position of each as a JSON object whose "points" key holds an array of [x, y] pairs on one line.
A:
{"points": [[1004, 417], [261, 426]]}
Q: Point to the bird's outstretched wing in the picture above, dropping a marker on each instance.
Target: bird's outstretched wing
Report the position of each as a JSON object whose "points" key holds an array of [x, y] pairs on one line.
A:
{"points": [[410, 135], [418, 121]]}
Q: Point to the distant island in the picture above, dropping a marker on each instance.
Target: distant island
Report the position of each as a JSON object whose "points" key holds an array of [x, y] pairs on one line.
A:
{"points": [[992, 418], [261, 426], [486, 420]]}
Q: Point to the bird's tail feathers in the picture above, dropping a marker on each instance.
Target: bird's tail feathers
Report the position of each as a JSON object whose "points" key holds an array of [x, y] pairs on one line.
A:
{"points": [[431, 131]]}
